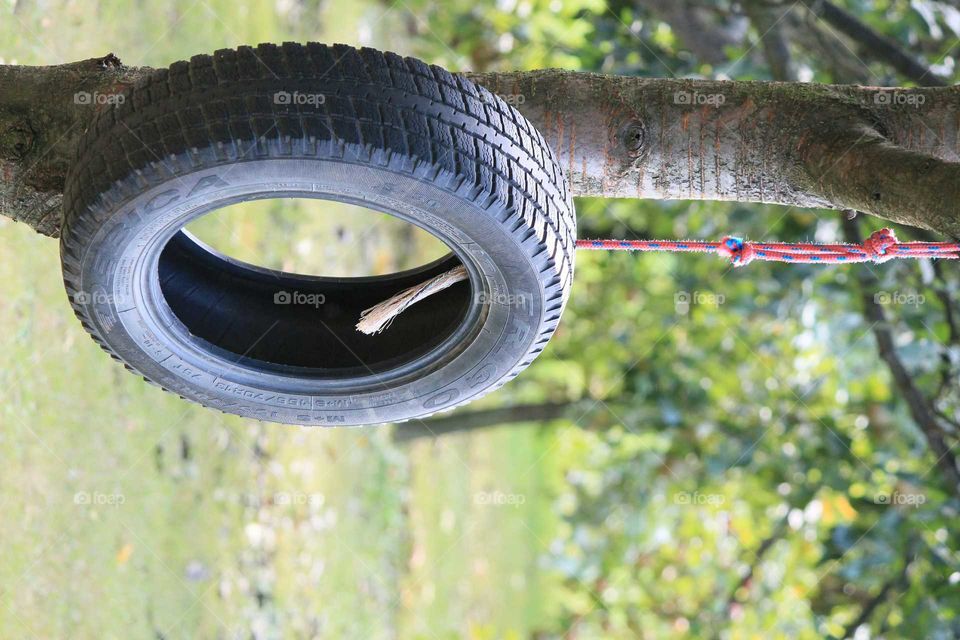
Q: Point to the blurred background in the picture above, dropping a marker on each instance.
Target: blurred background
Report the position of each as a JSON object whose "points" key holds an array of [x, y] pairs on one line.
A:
{"points": [[700, 452]]}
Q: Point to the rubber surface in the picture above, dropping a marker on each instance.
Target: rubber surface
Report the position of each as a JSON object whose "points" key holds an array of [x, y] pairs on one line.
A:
{"points": [[333, 122]]}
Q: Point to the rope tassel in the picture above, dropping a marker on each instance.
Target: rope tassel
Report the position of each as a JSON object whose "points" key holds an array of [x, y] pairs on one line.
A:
{"points": [[380, 316]]}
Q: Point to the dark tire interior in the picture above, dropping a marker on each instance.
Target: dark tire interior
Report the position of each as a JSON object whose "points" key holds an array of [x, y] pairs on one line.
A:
{"points": [[276, 320]]}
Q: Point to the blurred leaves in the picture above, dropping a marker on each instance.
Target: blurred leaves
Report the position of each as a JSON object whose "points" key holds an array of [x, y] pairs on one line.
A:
{"points": [[745, 467], [749, 471]]}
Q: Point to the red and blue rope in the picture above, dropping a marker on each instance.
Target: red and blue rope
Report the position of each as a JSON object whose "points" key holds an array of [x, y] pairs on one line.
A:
{"points": [[881, 246]]}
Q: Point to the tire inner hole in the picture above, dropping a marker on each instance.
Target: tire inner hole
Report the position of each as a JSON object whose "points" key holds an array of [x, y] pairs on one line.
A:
{"points": [[280, 283]]}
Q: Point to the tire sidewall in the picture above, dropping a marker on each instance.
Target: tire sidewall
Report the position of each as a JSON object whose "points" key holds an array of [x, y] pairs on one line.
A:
{"points": [[119, 261]]}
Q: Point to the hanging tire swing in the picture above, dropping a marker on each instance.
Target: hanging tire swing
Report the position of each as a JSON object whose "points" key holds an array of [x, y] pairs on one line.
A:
{"points": [[391, 134]]}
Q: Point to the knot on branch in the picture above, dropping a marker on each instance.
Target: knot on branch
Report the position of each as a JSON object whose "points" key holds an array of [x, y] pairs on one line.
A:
{"points": [[633, 135], [16, 142], [109, 61]]}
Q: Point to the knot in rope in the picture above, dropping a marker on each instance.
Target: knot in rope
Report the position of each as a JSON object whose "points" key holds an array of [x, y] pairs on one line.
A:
{"points": [[740, 253], [878, 245]]}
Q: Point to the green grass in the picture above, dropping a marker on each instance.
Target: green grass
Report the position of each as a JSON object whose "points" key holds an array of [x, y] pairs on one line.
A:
{"points": [[195, 512], [128, 513], [480, 517]]}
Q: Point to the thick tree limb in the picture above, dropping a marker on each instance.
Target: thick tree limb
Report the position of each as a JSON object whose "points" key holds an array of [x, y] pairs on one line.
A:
{"points": [[43, 111], [783, 143], [786, 143], [862, 170]]}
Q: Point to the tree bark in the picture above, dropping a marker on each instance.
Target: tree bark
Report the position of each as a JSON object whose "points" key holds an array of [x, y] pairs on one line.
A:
{"points": [[43, 111], [889, 152]]}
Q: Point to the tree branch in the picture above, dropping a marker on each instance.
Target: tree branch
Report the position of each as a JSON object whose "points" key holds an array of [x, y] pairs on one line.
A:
{"points": [[899, 581], [769, 22], [616, 137], [779, 531], [43, 111], [802, 497], [862, 170], [805, 29], [877, 45]]}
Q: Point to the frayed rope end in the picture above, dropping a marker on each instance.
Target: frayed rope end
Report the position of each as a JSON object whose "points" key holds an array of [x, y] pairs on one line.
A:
{"points": [[380, 316]]}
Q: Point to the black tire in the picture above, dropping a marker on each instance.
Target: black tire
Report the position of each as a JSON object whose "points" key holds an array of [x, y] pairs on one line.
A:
{"points": [[390, 133]]}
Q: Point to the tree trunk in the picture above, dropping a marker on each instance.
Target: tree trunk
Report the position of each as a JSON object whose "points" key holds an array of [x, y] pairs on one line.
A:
{"points": [[43, 111], [472, 420], [889, 152]]}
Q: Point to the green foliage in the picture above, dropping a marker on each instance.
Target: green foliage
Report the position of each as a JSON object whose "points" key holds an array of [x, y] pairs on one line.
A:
{"points": [[742, 465], [740, 410]]}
